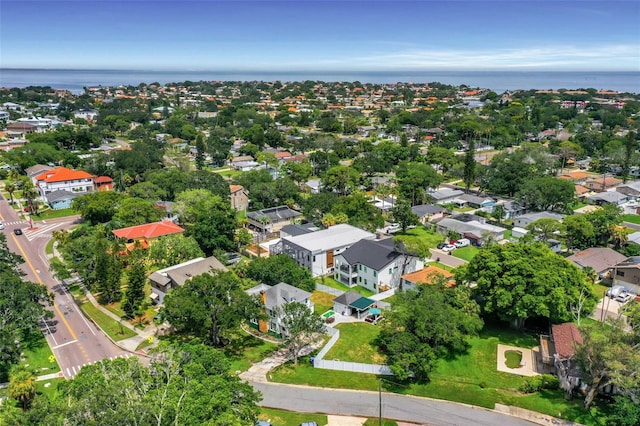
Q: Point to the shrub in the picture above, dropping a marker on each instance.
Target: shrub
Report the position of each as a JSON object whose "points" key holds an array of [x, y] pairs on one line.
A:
{"points": [[537, 383]]}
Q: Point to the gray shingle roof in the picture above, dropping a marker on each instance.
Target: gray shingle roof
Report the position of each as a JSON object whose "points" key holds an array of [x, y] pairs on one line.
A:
{"points": [[274, 214], [373, 254], [61, 195], [347, 298], [427, 209]]}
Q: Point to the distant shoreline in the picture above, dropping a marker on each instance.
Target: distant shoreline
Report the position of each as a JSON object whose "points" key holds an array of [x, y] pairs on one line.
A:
{"points": [[499, 81]]}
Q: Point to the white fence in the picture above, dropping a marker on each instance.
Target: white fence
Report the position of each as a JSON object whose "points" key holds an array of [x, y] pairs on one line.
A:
{"points": [[356, 367]]}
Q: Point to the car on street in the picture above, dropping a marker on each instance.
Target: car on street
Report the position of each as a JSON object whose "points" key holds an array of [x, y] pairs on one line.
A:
{"points": [[1, 226], [448, 248], [17, 231], [624, 297], [441, 245]]}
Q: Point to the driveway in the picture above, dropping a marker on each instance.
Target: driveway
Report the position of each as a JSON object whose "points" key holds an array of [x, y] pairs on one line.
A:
{"points": [[446, 258], [607, 308]]}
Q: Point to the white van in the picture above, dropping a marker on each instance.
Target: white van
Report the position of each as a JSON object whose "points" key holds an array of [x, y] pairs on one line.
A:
{"points": [[463, 242]]}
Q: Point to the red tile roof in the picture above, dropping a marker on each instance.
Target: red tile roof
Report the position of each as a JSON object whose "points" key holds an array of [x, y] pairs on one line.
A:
{"points": [[235, 188], [565, 338], [103, 179], [62, 174], [148, 230]]}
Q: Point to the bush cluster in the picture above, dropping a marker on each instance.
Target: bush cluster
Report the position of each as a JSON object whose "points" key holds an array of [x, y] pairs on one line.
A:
{"points": [[537, 383]]}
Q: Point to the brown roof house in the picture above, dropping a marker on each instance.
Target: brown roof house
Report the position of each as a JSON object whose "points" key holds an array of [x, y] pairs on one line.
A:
{"points": [[165, 279], [239, 197], [601, 259], [599, 185], [558, 349]]}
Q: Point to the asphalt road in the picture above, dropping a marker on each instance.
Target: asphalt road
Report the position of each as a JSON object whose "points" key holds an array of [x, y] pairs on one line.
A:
{"points": [[74, 340], [398, 407]]}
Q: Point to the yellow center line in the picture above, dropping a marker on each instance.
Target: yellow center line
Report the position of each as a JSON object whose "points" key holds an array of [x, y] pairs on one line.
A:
{"points": [[24, 256]]}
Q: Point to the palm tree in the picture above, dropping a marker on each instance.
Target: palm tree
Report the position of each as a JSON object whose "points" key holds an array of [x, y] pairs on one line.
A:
{"points": [[30, 193], [10, 187], [618, 236], [22, 387]]}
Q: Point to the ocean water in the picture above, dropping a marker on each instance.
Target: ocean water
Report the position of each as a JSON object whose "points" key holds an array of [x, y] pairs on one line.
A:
{"points": [[498, 81]]}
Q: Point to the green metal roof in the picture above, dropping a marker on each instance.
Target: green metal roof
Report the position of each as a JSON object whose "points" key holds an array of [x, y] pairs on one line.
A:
{"points": [[362, 303]]}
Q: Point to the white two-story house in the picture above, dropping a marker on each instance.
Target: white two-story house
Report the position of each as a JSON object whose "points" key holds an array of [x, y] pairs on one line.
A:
{"points": [[376, 265], [64, 179]]}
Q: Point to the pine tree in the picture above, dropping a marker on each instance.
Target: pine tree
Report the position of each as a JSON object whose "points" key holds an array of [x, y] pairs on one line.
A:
{"points": [[200, 148], [134, 297], [469, 172]]}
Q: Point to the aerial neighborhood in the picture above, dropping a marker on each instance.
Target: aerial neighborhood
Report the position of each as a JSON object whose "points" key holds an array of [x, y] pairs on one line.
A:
{"points": [[439, 241]]}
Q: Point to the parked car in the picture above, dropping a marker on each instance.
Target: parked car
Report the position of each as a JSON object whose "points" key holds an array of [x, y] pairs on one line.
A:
{"points": [[1, 226], [232, 258], [624, 297], [441, 245], [394, 227], [463, 242], [448, 248], [17, 231], [615, 291]]}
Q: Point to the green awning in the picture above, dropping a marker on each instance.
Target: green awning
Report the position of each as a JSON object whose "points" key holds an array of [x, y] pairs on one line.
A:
{"points": [[362, 303]]}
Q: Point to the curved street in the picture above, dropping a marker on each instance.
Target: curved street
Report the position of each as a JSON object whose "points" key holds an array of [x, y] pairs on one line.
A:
{"points": [[74, 340]]}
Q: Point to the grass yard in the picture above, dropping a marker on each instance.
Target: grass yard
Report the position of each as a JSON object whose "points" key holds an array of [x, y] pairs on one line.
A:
{"points": [[514, 358], [442, 265], [38, 357], [356, 344], [247, 350], [53, 214], [330, 282], [600, 290], [376, 422], [471, 378], [421, 236], [48, 249], [322, 302], [288, 418], [466, 253], [115, 330], [632, 218]]}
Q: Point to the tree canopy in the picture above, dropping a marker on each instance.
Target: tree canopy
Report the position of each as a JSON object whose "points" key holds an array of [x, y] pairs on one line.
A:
{"points": [[426, 324], [280, 268], [518, 281]]}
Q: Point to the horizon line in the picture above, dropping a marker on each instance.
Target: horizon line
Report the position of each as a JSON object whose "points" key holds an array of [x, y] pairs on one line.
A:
{"points": [[325, 71]]}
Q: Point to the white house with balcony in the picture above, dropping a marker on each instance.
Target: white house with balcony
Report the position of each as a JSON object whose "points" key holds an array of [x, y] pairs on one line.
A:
{"points": [[62, 178], [316, 251], [375, 265]]}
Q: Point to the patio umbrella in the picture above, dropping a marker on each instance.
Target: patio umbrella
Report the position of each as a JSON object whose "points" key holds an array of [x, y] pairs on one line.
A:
{"points": [[375, 311]]}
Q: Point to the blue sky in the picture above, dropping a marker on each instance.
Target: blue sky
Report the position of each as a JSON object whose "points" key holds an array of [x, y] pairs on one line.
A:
{"points": [[347, 35]]}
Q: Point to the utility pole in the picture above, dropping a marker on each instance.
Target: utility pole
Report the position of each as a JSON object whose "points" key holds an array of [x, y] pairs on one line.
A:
{"points": [[380, 402]]}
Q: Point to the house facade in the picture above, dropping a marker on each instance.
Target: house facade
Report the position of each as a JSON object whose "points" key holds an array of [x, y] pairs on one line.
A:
{"points": [[428, 212], [273, 299], [239, 197], [317, 251], [627, 274], [163, 280], [471, 227], [374, 264], [601, 259], [60, 199], [272, 219], [62, 178]]}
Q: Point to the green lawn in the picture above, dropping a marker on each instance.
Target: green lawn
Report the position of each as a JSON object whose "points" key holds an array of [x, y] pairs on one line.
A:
{"points": [[356, 344], [421, 236], [330, 282], [38, 357], [467, 253], [247, 350], [376, 422], [53, 214], [514, 358], [471, 378], [48, 249], [114, 329], [288, 418], [633, 218], [322, 302], [442, 265]]}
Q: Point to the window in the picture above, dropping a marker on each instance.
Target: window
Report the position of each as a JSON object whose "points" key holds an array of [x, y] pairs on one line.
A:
{"points": [[359, 279], [374, 286], [314, 258], [390, 271], [360, 267], [375, 274], [620, 273], [365, 281], [365, 269]]}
